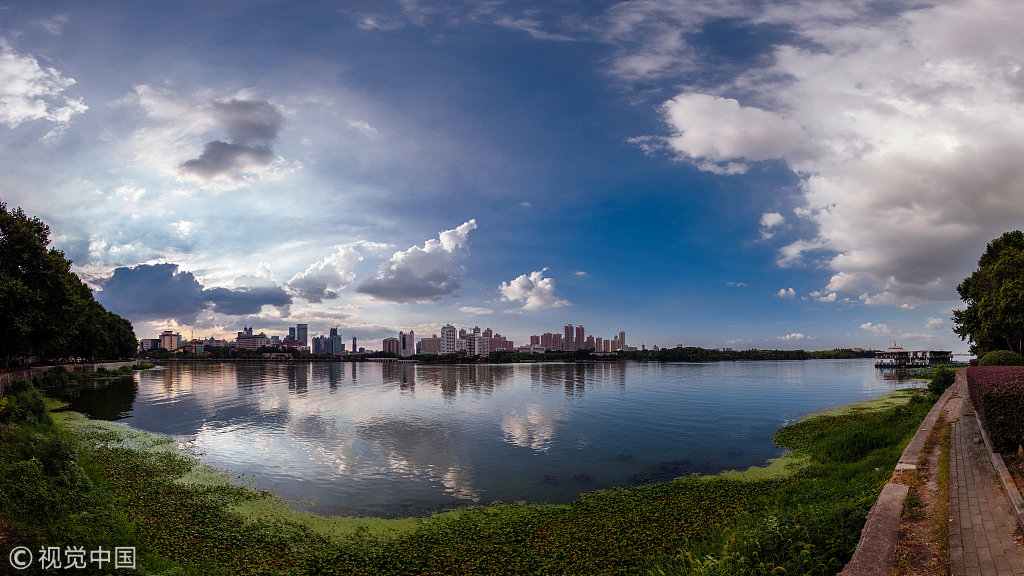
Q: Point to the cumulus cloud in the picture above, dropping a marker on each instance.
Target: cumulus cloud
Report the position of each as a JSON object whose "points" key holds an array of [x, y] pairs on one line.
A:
{"points": [[474, 311], [770, 220], [786, 293], [324, 279], [885, 330], [739, 342], [936, 324], [422, 274], [31, 92], [162, 292], [795, 336], [904, 125], [535, 290]]}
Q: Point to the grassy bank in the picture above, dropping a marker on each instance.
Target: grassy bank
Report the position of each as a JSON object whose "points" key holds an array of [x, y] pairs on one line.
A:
{"points": [[137, 489]]}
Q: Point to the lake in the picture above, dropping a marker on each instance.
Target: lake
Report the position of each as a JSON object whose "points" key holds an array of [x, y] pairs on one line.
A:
{"points": [[383, 438]]}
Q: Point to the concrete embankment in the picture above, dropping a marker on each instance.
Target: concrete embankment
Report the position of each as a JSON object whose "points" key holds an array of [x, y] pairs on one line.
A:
{"points": [[876, 551]]}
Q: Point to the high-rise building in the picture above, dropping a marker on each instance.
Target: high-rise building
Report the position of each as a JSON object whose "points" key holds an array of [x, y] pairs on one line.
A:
{"points": [[546, 339], [534, 340], [487, 333], [354, 345], [556, 342], [462, 332], [291, 333], [448, 337], [390, 345], [622, 340], [581, 337], [599, 344], [570, 334], [590, 345], [406, 343], [301, 331]]}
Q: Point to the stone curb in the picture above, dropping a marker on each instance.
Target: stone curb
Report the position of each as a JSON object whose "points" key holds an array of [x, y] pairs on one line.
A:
{"points": [[876, 552], [1009, 487]]}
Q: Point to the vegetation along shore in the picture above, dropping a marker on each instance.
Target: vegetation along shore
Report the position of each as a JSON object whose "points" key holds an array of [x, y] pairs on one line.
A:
{"points": [[66, 480]]}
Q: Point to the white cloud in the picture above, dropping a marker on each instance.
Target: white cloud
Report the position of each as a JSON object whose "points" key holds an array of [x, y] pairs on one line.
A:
{"points": [[936, 324], [877, 329], [786, 293], [739, 342], [795, 336], [582, 273], [30, 92], [535, 290], [737, 284], [184, 227], [422, 274], [323, 280], [905, 127], [473, 311], [364, 127], [770, 220]]}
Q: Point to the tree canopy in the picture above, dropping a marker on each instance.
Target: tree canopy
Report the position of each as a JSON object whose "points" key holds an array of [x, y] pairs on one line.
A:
{"points": [[45, 309], [994, 294]]}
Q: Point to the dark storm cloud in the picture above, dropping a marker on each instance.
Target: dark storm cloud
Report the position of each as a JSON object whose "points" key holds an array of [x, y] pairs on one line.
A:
{"points": [[252, 126], [160, 291], [249, 121], [402, 286], [153, 292], [221, 158], [249, 300]]}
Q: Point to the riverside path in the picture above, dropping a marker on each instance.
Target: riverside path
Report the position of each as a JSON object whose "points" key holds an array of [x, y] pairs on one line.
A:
{"points": [[981, 541]]}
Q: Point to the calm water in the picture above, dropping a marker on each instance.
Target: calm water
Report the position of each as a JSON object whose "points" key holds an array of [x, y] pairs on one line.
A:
{"points": [[372, 437]]}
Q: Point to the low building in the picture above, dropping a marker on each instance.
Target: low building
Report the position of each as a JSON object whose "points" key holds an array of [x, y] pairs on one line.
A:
{"points": [[897, 357]]}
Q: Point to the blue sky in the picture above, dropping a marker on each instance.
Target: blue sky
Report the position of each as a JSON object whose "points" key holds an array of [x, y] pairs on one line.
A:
{"points": [[798, 174]]}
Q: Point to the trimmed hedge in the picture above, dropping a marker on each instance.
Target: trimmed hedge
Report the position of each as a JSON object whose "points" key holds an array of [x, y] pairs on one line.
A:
{"points": [[997, 393], [1001, 358]]}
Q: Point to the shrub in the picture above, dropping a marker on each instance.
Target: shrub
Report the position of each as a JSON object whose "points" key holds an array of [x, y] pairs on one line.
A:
{"points": [[997, 393], [23, 403], [1001, 358], [942, 379]]}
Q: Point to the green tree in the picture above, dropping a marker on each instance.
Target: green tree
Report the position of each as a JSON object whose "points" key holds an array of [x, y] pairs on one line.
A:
{"points": [[45, 309], [994, 294]]}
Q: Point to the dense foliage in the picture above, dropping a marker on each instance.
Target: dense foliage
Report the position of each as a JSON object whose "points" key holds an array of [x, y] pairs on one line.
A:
{"points": [[994, 294], [942, 378], [45, 309], [1001, 358], [997, 393]]}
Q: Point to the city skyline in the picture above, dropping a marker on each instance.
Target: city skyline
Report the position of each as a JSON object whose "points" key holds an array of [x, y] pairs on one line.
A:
{"points": [[779, 174]]}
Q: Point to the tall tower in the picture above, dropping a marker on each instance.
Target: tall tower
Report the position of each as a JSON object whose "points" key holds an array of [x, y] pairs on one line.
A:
{"points": [[567, 342], [581, 338], [622, 340], [354, 349], [301, 331], [448, 337]]}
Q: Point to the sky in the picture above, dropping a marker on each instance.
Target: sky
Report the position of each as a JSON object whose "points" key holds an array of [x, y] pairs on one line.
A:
{"points": [[748, 174]]}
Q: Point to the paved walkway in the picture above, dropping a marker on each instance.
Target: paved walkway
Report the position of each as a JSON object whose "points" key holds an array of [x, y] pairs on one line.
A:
{"points": [[981, 531]]}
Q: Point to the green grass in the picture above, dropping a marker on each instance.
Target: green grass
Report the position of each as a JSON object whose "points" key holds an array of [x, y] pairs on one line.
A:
{"points": [[131, 488]]}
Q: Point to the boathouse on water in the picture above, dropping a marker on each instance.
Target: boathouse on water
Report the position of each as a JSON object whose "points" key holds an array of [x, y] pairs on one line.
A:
{"points": [[897, 357]]}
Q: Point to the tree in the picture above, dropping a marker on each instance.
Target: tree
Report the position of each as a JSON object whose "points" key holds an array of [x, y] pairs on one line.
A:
{"points": [[994, 294], [45, 309]]}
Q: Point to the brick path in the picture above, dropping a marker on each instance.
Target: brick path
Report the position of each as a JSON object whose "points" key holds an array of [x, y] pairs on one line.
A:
{"points": [[981, 531]]}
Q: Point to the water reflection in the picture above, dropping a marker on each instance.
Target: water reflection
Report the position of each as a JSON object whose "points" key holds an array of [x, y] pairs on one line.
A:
{"points": [[376, 437]]}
